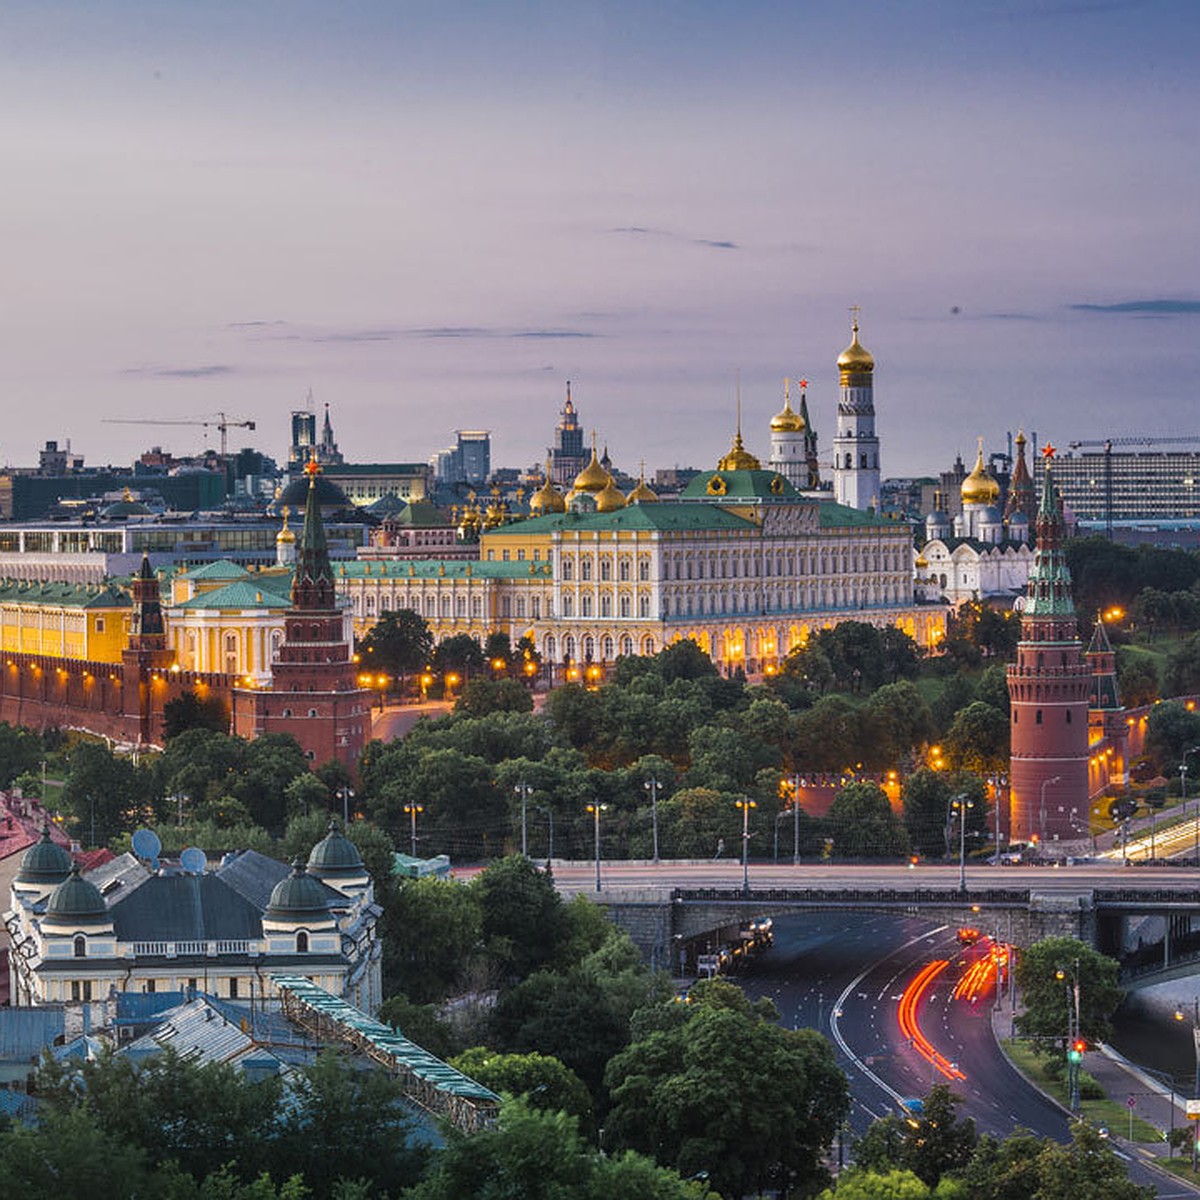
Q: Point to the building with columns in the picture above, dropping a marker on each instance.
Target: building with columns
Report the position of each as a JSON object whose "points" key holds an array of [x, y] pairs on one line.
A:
{"points": [[856, 446], [1049, 687]]}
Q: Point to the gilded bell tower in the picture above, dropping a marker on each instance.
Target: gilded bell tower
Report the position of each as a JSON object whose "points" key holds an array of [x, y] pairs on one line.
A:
{"points": [[856, 447]]}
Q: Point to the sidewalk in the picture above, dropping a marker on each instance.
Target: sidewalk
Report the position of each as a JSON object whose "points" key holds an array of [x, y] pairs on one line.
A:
{"points": [[1121, 1080]]}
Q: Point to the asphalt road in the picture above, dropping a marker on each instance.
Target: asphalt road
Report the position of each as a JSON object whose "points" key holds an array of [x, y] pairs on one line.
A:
{"points": [[844, 975]]}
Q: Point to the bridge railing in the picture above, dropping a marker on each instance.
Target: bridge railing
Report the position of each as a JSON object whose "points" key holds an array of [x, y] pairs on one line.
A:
{"points": [[1014, 897], [1125, 897]]}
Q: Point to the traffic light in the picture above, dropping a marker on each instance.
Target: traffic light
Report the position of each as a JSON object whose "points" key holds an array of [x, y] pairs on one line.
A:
{"points": [[1078, 1046]]}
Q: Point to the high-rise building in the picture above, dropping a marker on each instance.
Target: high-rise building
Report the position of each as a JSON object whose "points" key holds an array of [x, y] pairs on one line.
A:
{"points": [[304, 437], [567, 455], [1049, 686], [856, 446]]}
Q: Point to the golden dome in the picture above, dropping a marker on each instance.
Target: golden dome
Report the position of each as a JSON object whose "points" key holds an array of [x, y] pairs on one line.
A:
{"points": [[285, 534], [855, 359], [611, 498], [979, 487], [593, 477], [922, 562], [738, 458], [547, 499], [788, 420], [642, 494]]}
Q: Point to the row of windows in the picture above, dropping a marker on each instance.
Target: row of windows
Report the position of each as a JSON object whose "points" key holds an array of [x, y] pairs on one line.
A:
{"points": [[605, 569], [588, 606]]}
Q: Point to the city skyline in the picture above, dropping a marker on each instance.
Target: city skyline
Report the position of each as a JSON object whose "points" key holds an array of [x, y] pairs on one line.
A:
{"points": [[434, 218]]}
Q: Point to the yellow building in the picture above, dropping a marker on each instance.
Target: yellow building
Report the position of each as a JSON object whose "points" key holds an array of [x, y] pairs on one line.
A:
{"points": [[65, 620]]}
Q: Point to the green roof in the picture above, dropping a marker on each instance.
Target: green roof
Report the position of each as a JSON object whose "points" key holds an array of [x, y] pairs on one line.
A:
{"points": [[739, 485], [244, 593], [839, 516], [221, 569], [65, 595], [437, 568], [663, 515]]}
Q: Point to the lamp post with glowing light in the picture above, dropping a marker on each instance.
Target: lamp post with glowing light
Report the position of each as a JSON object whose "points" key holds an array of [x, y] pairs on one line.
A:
{"points": [[746, 804], [596, 810], [1075, 1043], [653, 786], [960, 805], [412, 810]]}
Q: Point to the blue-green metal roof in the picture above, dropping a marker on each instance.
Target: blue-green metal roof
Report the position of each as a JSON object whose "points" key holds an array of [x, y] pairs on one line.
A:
{"points": [[664, 515], [248, 592]]}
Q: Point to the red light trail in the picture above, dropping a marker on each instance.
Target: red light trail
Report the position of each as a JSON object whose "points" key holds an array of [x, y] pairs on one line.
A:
{"points": [[909, 1025]]}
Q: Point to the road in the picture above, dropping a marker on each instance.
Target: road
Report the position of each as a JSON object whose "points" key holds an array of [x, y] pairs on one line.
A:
{"points": [[581, 876], [845, 975], [397, 719]]}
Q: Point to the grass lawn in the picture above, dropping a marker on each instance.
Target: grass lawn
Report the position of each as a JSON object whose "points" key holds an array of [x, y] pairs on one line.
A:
{"points": [[1109, 1113], [1181, 1166]]}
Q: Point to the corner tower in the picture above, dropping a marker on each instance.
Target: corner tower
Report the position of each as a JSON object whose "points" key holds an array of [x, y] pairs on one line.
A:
{"points": [[856, 448], [1048, 687]]}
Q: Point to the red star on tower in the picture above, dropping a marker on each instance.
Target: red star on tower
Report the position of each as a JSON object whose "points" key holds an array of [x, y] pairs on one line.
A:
{"points": [[1049, 451]]}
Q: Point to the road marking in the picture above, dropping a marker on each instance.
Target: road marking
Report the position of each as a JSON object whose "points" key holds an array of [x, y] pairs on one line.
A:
{"points": [[834, 1029]]}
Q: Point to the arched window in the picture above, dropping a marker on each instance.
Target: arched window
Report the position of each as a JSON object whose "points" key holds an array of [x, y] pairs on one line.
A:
{"points": [[624, 570], [627, 645], [589, 649], [276, 642], [80, 946], [231, 653], [605, 570], [568, 569], [302, 942], [644, 570], [585, 569], [606, 651], [606, 605], [585, 604]]}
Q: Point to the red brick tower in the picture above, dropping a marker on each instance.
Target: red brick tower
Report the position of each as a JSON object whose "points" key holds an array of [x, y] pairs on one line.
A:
{"points": [[147, 649], [314, 693], [1049, 686]]}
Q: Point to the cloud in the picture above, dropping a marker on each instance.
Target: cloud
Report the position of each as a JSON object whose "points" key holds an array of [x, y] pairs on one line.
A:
{"points": [[205, 372], [669, 235], [253, 324], [553, 333], [1156, 308], [437, 332]]}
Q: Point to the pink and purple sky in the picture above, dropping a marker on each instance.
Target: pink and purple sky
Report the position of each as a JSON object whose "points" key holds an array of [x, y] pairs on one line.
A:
{"points": [[434, 214]]}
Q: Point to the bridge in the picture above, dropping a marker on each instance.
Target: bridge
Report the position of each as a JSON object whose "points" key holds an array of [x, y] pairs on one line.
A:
{"points": [[676, 911]]}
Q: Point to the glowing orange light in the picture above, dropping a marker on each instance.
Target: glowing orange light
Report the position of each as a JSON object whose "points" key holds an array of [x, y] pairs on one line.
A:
{"points": [[909, 1026]]}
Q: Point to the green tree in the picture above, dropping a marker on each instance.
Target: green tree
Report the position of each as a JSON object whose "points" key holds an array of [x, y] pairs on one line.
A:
{"points": [[699, 823], [524, 921], [926, 797], [189, 711], [307, 794], [860, 1183], [978, 739], [104, 792], [932, 1144], [1170, 729], [1137, 677], [1182, 674], [1046, 973], [895, 721], [542, 1081], [420, 1023], [21, 752], [268, 765], [863, 825], [827, 736], [483, 696], [723, 1089], [461, 654], [433, 935], [399, 643]]}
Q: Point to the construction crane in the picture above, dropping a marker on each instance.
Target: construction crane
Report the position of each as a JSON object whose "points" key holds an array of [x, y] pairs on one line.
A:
{"points": [[1107, 444], [220, 420]]}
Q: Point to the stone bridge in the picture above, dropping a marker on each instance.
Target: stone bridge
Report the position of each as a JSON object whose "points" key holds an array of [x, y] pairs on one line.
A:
{"points": [[672, 928]]}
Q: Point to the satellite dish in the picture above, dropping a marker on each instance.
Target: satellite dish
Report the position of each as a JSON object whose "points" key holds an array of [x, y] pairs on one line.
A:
{"points": [[146, 844], [193, 860]]}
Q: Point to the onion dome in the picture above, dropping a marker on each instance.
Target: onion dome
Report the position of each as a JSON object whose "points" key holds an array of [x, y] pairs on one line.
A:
{"points": [[922, 562], [285, 536], [642, 494], [295, 495], [611, 498], [979, 487], [297, 897], [856, 359], [76, 902], [547, 499], [593, 477], [738, 457], [44, 862], [787, 420], [335, 856]]}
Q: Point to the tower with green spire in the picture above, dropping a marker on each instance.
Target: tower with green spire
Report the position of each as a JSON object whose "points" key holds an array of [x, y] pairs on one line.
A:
{"points": [[1049, 686], [314, 693]]}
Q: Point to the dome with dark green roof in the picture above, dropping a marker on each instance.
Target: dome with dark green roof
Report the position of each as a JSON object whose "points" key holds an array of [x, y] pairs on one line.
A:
{"points": [[335, 856], [76, 902], [298, 896], [44, 862]]}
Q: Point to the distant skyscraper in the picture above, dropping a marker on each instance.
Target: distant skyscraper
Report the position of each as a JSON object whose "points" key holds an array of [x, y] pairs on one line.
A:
{"points": [[567, 457], [304, 437], [475, 454], [856, 448]]}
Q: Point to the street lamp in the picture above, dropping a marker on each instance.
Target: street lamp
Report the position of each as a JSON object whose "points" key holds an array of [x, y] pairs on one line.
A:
{"points": [[596, 810], [550, 838], [1042, 811], [653, 786], [998, 782], [524, 790], [1075, 1043], [746, 804], [960, 804], [345, 794], [1181, 1016], [412, 810]]}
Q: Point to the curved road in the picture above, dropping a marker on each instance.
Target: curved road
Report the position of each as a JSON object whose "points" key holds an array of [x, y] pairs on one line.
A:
{"points": [[865, 963]]}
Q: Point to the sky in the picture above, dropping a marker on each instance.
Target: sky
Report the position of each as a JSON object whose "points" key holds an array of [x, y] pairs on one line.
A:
{"points": [[432, 215]]}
